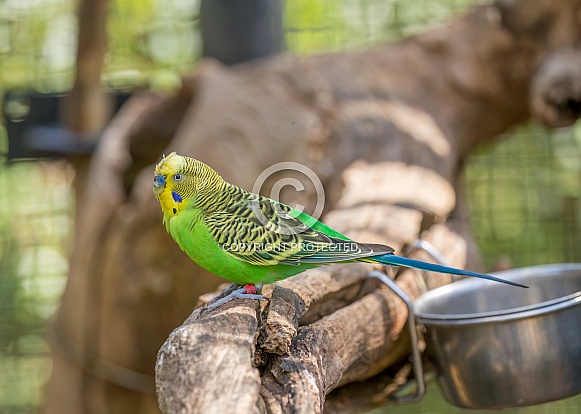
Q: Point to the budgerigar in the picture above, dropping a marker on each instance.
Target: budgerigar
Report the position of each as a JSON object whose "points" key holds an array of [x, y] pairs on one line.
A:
{"points": [[249, 239]]}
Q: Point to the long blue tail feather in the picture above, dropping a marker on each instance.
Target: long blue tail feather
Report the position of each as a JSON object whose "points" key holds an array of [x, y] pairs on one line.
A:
{"points": [[393, 260]]}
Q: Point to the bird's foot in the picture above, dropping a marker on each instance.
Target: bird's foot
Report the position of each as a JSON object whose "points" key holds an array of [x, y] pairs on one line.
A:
{"points": [[224, 293], [245, 292]]}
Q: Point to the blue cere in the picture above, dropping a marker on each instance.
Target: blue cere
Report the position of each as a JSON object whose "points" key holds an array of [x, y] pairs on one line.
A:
{"points": [[159, 181]]}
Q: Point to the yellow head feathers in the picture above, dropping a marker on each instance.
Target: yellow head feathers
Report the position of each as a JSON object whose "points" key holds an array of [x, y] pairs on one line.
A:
{"points": [[179, 181], [170, 164]]}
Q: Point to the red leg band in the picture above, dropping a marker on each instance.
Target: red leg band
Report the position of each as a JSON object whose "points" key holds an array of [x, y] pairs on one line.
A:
{"points": [[250, 289]]}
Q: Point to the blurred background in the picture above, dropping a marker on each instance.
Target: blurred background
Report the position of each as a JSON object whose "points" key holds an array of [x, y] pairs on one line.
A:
{"points": [[524, 191]]}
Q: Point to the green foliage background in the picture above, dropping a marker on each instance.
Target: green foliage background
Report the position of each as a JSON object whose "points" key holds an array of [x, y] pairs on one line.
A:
{"points": [[524, 191]]}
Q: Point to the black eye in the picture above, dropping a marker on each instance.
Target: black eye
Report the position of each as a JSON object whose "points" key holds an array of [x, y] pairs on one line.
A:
{"points": [[178, 177]]}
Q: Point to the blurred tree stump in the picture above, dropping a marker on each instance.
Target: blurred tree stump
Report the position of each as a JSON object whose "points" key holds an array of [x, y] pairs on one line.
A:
{"points": [[387, 131]]}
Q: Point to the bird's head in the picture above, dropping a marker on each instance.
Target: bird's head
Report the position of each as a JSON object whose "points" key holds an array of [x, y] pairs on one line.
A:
{"points": [[178, 182]]}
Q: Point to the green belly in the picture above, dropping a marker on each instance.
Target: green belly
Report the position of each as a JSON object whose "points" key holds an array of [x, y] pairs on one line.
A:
{"points": [[200, 246]]}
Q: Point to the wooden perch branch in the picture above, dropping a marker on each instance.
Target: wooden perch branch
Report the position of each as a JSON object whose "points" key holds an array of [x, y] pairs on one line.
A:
{"points": [[219, 378], [212, 351]]}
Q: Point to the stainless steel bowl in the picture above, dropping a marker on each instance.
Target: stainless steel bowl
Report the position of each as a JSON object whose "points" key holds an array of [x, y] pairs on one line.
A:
{"points": [[497, 346]]}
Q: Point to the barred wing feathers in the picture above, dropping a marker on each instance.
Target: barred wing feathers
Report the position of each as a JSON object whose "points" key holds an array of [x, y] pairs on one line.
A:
{"points": [[264, 232]]}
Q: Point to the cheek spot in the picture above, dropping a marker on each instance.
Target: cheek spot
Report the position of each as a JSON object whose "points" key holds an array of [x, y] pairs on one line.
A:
{"points": [[177, 198]]}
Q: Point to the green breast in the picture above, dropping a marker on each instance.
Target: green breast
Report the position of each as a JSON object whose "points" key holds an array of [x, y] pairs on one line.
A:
{"points": [[188, 230]]}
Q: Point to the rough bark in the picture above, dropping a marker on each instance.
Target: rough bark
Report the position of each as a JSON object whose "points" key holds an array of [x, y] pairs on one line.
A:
{"points": [[386, 130]]}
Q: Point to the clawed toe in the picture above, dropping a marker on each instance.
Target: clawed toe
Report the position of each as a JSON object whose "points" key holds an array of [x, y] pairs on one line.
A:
{"points": [[245, 292]]}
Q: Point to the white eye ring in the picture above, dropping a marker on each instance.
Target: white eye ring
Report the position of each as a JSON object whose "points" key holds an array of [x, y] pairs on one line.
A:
{"points": [[178, 177]]}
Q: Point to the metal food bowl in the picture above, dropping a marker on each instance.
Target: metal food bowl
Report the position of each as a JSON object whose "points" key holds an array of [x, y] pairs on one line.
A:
{"points": [[497, 346]]}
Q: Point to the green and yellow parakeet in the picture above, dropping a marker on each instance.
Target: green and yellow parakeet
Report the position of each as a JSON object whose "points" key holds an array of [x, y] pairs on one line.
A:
{"points": [[249, 239]]}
